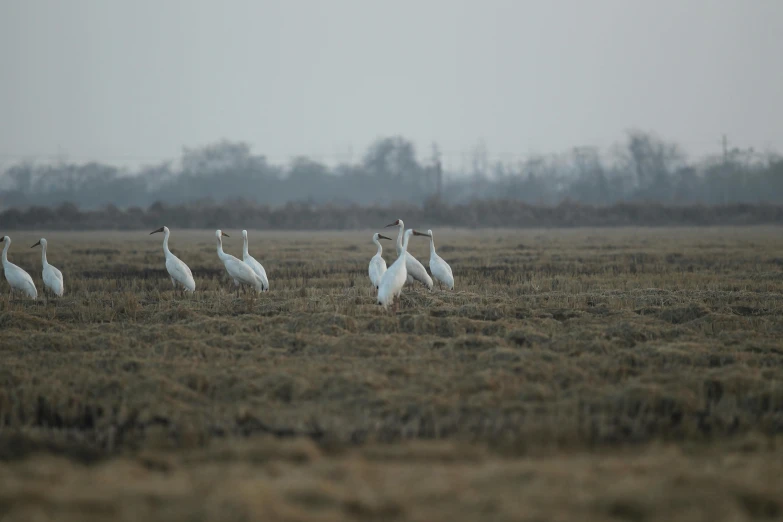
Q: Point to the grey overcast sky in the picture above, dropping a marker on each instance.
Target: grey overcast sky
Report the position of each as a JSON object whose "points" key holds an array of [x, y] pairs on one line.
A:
{"points": [[139, 79]]}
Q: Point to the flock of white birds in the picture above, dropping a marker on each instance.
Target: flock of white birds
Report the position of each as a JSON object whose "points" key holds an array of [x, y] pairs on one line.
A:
{"points": [[247, 272], [406, 268], [21, 281]]}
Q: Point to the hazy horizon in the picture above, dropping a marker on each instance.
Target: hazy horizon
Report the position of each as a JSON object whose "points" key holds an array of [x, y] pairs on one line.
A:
{"points": [[135, 82]]}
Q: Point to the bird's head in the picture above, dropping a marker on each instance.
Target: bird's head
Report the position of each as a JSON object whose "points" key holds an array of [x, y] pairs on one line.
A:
{"points": [[219, 233], [244, 234], [41, 242], [161, 229], [397, 223], [417, 233]]}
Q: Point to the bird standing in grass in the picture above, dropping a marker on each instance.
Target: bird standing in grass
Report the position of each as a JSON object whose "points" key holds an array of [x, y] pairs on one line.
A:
{"points": [[19, 280], [239, 271], [394, 278], [377, 263], [440, 269], [416, 271], [257, 267], [178, 271], [52, 277]]}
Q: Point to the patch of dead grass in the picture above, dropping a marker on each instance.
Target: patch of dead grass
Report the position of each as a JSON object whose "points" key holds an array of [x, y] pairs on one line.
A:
{"points": [[528, 381]]}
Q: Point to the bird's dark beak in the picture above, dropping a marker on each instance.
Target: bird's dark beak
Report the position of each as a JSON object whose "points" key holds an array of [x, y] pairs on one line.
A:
{"points": [[156, 231], [383, 237], [35, 245], [224, 234], [391, 225], [417, 233]]}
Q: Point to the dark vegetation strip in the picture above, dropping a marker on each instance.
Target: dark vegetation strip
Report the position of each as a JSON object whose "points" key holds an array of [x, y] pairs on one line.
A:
{"points": [[82, 440], [304, 216]]}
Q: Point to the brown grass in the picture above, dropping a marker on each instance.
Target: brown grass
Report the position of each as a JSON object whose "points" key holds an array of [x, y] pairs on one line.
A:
{"points": [[591, 374]]}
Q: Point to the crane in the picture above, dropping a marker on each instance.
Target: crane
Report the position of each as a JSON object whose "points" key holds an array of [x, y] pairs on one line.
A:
{"points": [[178, 271], [238, 270], [377, 263], [394, 278], [19, 280], [52, 277], [440, 269], [416, 271], [257, 267]]}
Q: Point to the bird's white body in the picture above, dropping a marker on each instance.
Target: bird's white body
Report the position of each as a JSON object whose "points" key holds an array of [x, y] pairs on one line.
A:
{"points": [[394, 278], [440, 269], [416, 271], [52, 277], [377, 263], [178, 271], [238, 270], [19, 280], [257, 267]]}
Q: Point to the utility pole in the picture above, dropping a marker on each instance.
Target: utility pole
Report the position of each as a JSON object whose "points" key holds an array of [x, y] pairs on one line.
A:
{"points": [[438, 177], [437, 170]]}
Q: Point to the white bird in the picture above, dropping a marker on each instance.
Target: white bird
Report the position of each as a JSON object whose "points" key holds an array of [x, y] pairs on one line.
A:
{"points": [[377, 263], [257, 267], [178, 271], [52, 277], [394, 278], [440, 269], [16, 277], [416, 271], [239, 271]]}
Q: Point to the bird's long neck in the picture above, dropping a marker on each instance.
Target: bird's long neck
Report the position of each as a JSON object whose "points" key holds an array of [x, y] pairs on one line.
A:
{"points": [[244, 247], [220, 252], [405, 245], [399, 239], [43, 255], [432, 246], [5, 252], [380, 248], [166, 243]]}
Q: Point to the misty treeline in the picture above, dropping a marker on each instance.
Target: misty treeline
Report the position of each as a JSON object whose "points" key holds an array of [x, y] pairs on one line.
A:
{"points": [[644, 181], [644, 168]]}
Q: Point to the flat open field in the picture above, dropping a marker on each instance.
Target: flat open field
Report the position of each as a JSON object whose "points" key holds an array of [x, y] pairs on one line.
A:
{"points": [[595, 374]]}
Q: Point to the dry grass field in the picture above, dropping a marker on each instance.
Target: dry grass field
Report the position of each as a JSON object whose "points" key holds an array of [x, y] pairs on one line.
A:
{"points": [[593, 374]]}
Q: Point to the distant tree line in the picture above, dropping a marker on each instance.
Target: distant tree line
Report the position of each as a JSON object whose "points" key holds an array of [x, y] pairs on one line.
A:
{"points": [[642, 181], [224, 171], [642, 169]]}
